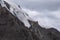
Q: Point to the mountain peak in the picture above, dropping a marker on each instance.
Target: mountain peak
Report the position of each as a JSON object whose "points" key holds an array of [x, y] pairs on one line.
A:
{"points": [[15, 24], [17, 11]]}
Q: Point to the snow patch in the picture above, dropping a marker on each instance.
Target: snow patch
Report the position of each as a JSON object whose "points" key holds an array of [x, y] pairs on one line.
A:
{"points": [[18, 12]]}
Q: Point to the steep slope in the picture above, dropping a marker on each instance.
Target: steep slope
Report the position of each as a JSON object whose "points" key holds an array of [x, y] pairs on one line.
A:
{"points": [[16, 11], [44, 34], [12, 28]]}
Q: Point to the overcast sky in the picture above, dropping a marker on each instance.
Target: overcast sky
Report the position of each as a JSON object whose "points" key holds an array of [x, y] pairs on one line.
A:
{"points": [[46, 12], [40, 4]]}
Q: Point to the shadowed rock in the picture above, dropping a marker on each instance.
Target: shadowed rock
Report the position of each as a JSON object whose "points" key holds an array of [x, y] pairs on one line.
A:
{"points": [[11, 28]]}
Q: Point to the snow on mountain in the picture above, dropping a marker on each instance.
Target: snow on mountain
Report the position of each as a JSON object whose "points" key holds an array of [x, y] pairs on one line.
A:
{"points": [[46, 19], [17, 11]]}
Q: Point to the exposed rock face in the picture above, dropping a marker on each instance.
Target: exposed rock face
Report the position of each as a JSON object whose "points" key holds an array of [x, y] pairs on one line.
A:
{"points": [[13, 29], [45, 34]]}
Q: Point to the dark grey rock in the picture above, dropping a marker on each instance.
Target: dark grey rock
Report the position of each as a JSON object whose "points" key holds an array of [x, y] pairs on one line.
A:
{"points": [[11, 28], [44, 34]]}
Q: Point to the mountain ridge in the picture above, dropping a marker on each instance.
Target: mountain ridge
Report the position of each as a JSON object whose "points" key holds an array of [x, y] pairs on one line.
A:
{"points": [[11, 28]]}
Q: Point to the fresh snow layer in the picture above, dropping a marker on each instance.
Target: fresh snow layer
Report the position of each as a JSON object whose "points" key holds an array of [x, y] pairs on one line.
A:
{"points": [[46, 19], [18, 12]]}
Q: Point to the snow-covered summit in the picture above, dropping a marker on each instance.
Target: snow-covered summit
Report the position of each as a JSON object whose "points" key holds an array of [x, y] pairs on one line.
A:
{"points": [[16, 11]]}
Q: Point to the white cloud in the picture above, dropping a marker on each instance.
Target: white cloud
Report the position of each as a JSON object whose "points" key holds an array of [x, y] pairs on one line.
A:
{"points": [[42, 0], [33, 13], [46, 19], [40, 4]]}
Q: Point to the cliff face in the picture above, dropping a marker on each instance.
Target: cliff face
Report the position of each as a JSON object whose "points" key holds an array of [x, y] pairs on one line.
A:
{"points": [[44, 34], [11, 28]]}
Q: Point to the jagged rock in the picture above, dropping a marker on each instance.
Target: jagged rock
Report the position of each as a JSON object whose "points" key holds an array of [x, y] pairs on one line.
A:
{"points": [[44, 34], [11, 28]]}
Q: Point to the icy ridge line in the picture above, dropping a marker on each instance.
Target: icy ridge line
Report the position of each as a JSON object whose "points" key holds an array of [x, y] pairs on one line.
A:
{"points": [[18, 12]]}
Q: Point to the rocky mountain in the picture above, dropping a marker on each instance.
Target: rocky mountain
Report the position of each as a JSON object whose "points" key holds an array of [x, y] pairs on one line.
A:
{"points": [[11, 28]]}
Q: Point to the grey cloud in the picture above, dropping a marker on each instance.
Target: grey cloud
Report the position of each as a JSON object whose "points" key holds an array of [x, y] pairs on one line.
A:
{"points": [[51, 17], [41, 5]]}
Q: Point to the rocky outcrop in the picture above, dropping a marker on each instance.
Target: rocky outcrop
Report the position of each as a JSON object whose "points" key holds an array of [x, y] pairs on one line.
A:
{"points": [[44, 34], [11, 28]]}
